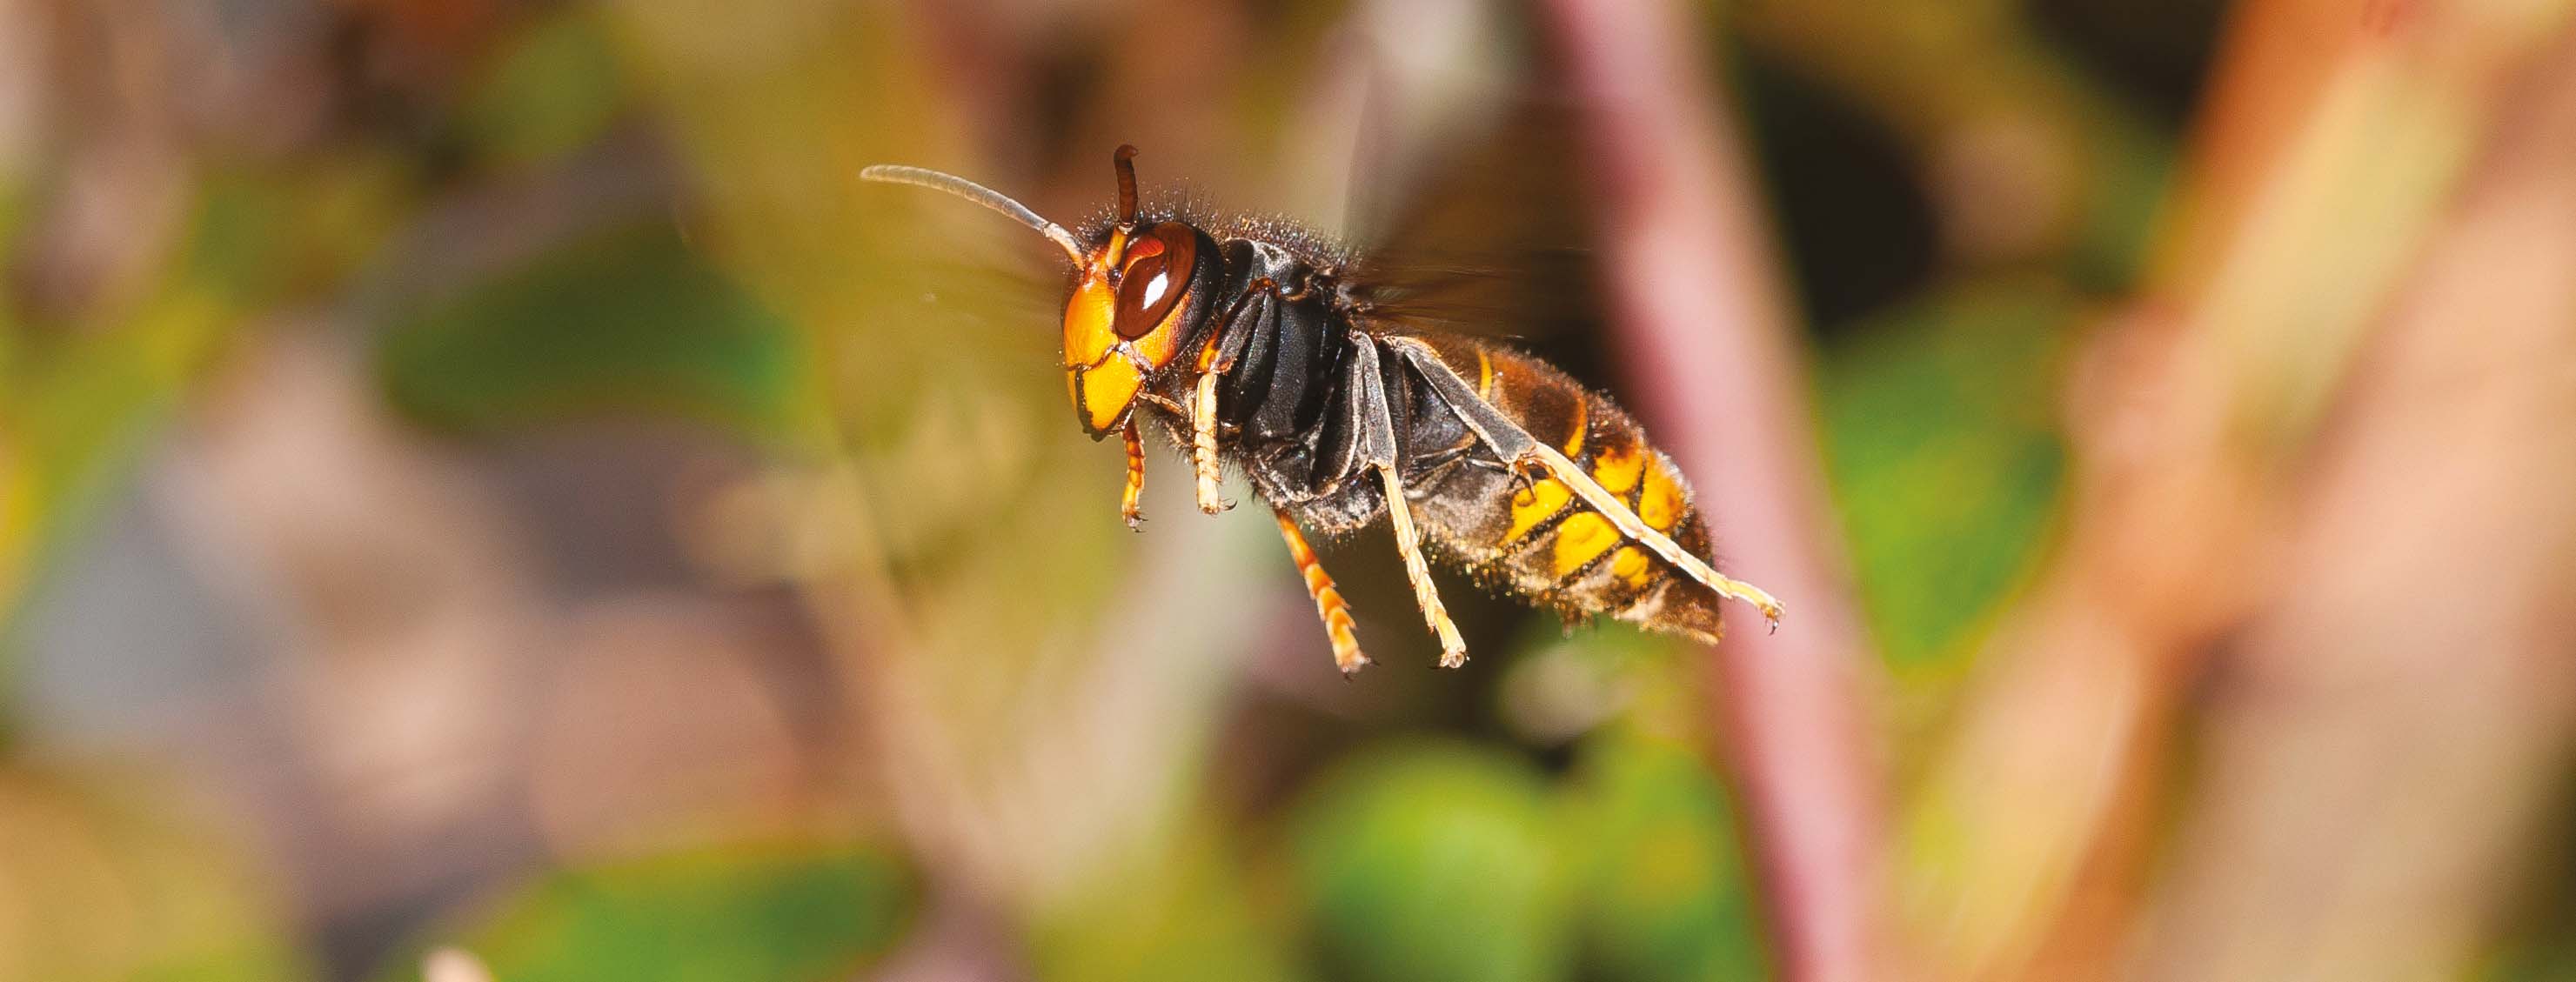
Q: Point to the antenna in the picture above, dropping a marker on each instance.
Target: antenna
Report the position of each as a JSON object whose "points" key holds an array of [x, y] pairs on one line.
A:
{"points": [[1124, 160], [922, 177]]}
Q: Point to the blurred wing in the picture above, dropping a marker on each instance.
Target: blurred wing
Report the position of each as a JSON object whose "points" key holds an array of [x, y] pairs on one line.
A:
{"points": [[1492, 241]]}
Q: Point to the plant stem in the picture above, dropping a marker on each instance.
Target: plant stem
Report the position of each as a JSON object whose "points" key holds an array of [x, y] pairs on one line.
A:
{"points": [[1715, 365]]}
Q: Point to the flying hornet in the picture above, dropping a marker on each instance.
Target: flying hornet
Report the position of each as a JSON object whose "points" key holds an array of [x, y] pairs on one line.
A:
{"points": [[1262, 347]]}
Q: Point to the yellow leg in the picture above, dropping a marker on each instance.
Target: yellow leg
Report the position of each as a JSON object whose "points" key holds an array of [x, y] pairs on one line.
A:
{"points": [[1127, 502], [1203, 444], [1328, 601], [1408, 543]]}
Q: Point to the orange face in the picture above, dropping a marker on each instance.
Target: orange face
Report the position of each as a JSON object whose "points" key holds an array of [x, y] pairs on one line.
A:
{"points": [[1123, 321]]}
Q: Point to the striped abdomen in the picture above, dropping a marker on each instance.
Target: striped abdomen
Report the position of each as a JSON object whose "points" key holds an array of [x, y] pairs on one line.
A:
{"points": [[1540, 541]]}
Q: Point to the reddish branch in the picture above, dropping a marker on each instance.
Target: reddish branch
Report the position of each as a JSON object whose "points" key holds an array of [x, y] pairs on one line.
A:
{"points": [[1716, 366]]}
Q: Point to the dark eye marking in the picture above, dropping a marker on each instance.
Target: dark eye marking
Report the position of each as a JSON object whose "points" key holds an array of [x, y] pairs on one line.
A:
{"points": [[1157, 269]]}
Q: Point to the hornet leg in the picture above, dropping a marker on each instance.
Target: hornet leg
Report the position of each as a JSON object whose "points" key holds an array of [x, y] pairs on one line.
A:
{"points": [[1328, 601], [1220, 355], [1203, 444], [1378, 429], [1127, 502]]}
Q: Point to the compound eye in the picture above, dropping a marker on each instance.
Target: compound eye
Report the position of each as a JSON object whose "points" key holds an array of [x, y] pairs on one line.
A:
{"points": [[1158, 270]]}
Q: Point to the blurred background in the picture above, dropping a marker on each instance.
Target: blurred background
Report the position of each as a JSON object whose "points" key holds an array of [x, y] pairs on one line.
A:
{"points": [[483, 477]]}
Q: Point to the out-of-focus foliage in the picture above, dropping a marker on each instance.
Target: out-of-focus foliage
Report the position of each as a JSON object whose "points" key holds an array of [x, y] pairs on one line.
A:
{"points": [[430, 387], [784, 912], [1190, 913], [102, 880], [517, 229], [631, 321], [1940, 419], [1660, 892], [1441, 861], [551, 89], [1437, 862]]}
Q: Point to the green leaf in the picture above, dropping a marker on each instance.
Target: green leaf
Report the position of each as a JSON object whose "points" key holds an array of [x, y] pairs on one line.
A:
{"points": [[777, 913], [1434, 863], [1942, 442], [1660, 884], [633, 322], [1178, 912], [555, 88]]}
